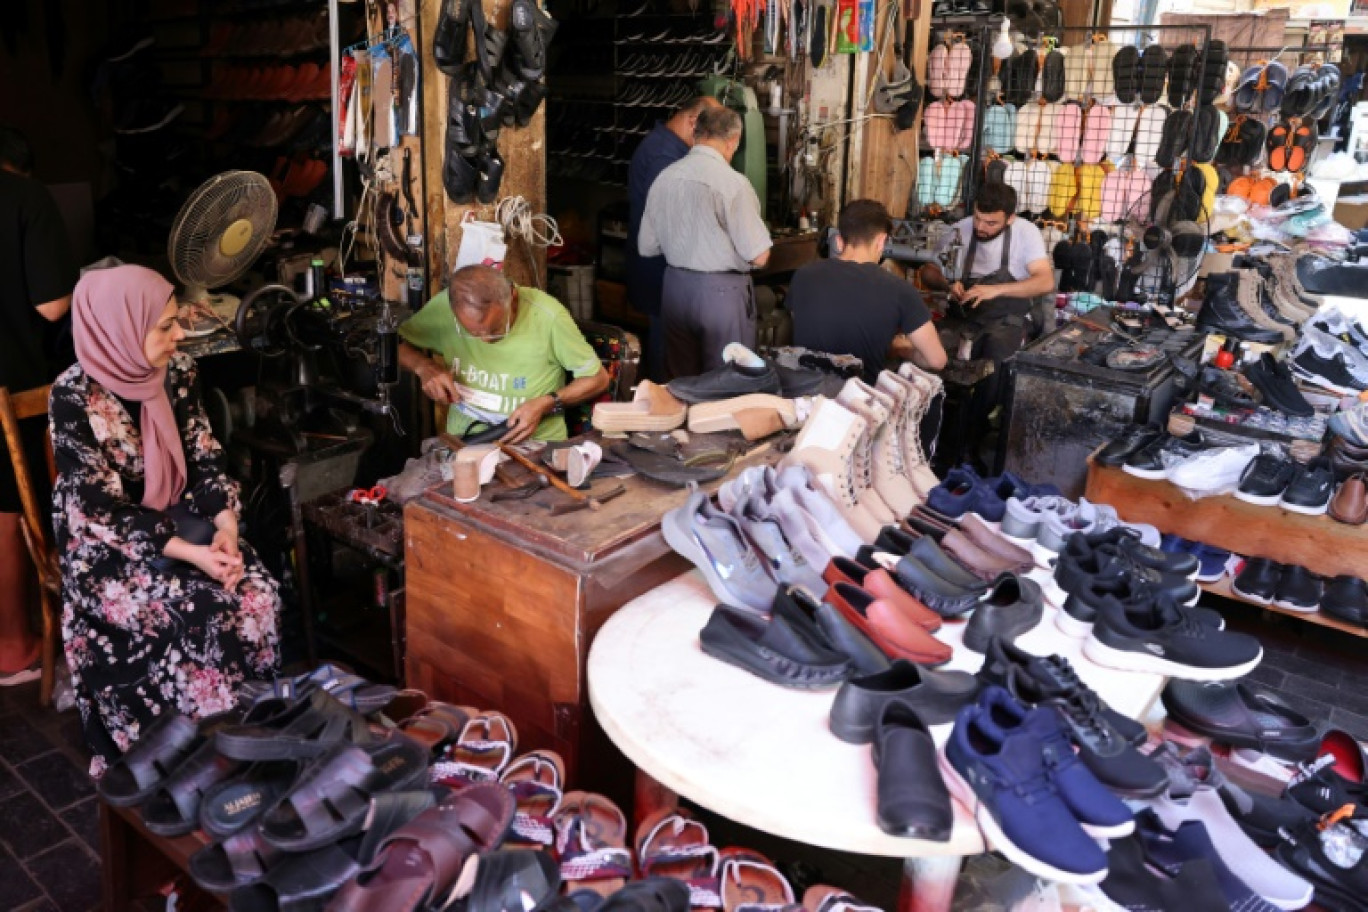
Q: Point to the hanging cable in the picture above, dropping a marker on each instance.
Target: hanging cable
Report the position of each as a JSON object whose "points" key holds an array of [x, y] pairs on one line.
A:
{"points": [[537, 229]]}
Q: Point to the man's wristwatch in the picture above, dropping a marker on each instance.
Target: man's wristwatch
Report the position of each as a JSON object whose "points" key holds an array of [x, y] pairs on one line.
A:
{"points": [[557, 407]]}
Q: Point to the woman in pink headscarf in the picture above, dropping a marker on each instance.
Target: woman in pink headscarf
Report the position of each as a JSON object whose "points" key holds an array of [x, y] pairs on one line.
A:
{"points": [[163, 606]]}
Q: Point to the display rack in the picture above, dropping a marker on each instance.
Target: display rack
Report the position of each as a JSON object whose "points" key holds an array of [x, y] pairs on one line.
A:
{"points": [[1318, 543]]}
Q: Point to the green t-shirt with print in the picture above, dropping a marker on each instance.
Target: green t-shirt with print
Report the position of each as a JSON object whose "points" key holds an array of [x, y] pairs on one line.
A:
{"points": [[496, 377]]}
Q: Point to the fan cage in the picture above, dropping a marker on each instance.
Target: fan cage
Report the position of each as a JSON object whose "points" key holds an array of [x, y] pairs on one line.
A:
{"points": [[194, 244]]}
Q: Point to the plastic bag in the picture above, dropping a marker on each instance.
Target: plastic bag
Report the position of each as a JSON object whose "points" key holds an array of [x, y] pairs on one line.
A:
{"points": [[482, 244]]}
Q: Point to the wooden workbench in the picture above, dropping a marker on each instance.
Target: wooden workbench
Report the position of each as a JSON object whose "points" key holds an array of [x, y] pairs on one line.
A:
{"points": [[504, 599]]}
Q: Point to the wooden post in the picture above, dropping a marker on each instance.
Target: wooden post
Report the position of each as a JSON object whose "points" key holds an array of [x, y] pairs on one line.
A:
{"points": [[888, 158]]}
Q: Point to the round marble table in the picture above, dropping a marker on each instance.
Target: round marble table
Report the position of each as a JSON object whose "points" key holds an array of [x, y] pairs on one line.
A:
{"points": [[763, 755]]}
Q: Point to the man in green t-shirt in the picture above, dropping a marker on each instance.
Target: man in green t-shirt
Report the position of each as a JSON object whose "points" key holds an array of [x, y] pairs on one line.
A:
{"points": [[500, 353]]}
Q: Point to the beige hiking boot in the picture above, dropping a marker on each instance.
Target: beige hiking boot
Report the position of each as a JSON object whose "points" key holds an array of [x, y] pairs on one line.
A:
{"points": [[827, 447], [1247, 294], [890, 472], [854, 398], [1285, 268], [1286, 301], [926, 387]]}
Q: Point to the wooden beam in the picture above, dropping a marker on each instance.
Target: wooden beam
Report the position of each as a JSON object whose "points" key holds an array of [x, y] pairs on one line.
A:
{"points": [[888, 157]]}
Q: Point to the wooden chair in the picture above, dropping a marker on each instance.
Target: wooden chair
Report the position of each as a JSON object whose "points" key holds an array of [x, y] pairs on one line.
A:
{"points": [[15, 407]]}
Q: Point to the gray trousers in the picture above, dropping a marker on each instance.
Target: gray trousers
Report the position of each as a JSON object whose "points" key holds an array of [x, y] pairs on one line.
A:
{"points": [[703, 313]]}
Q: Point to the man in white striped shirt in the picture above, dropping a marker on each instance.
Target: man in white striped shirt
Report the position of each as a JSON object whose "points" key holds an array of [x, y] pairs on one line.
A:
{"points": [[704, 217]]}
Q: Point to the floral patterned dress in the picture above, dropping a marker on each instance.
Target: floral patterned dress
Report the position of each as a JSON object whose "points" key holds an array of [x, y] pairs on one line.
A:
{"points": [[141, 640]]}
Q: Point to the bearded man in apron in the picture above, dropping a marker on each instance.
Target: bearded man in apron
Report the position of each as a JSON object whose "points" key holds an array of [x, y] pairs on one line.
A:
{"points": [[1004, 267]]}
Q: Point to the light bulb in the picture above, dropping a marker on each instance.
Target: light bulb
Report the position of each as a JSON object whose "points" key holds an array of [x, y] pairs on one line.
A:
{"points": [[1002, 47]]}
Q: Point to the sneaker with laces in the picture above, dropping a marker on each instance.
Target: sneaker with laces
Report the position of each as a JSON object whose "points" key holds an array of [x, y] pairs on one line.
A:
{"points": [[1002, 777], [1333, 322], [828, 446], [1331, 856], [885, 416], [963, 491], [714, 543], [1214, 471], [795, 482], [1328, 369], [781, 554], [1310, 489], [1265, 479], [1155, 636], [1328, 346], [1024, 517]]}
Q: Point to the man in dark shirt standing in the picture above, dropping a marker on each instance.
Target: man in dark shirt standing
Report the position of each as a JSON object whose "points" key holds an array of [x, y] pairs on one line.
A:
{"points": [[36, 279], [666, 144], [848, 305]]}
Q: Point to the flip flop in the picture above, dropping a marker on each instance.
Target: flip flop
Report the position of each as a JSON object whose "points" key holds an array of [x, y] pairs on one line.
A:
{"points": [[591, 843], [332, 797], [1241, 186], [1271, 98], [1279, 145], [957, 64], [1247, 90], [537, 781], [418, 865], [1301, 93], [1068, 130], [937, 71], [1149, 132], [1213, 73], [999, 127], [1038, 176], [1097, 125], [1088, 202], [1122, 131], [942, 125], [1021, 80], [1207, 132], [350, 689], [823, 898], [1102, 74], [484, 749], [1153, 72], [238, 861], [1015, 177], [965, 110], [437, 725], [670, 843], [1077, 64], [1052, 76], [751, 883], [1063, 189], [1138, 187], [1302, 145], [515, 880], [1114, 204], [310, 728], [926, 180], [1174, 139], [234, 803], [949, 173], [1027, 128], [1182, 75], [1047, 136], [1126, 74], [1261, 194]]}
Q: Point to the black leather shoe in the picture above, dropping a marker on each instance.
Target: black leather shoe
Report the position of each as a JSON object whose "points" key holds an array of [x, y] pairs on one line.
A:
{"points": [[935, 592], [1257, 580], [1052, 676], [1346, 598], [1298, 589], [936, 696], [771, 650], [912, 798], [793, 602], [943, 565], [1126, 540], [1148, 461], [1221, 312], [1127, 442], [728, 381], [1231, 712], [1310, 489], [1012, 606]]}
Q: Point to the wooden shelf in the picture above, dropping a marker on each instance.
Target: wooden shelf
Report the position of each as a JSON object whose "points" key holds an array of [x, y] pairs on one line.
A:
{"points": [[1318, 543], [1222, 588]]}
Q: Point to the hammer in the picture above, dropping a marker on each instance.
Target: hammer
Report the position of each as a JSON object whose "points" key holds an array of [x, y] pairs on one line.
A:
{"points": [[555, 480]]}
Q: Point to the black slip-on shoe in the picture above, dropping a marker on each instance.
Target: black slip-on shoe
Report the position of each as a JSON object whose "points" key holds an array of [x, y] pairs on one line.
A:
{"points": [[1257, 580], [726, 382], [1012, 606], [1231, 712], [771, 650], [912, 798], [802, 611], [1130, 440], [1298, 589], [936, 696], [1346, 598]]}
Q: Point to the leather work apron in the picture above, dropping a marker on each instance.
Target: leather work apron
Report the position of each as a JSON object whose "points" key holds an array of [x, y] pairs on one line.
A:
{"points": [[1009, 311]]}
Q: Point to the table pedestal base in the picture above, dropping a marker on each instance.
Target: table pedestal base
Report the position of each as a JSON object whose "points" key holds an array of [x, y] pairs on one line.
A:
{"points": [[928, 884]]}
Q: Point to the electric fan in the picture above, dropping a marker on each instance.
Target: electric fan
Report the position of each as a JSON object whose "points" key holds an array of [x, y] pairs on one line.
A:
{"points": [[1158, 255], [217, 235]]}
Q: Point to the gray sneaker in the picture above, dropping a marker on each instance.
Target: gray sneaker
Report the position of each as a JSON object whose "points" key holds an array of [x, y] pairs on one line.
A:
{"points": [[714, 543], [785, 560], [1024, 517]]}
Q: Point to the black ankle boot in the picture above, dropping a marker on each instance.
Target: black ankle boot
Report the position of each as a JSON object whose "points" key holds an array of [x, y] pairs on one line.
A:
{"points": [[1221, 312]]}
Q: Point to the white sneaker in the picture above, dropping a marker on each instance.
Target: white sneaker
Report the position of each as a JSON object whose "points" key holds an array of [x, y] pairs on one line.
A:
{"points": [[1214, 471]]}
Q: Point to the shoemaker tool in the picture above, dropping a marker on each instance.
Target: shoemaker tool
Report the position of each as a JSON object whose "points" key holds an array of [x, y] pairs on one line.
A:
{"points": [[523, 491], [1128, 339], [591, 502], [562, 509]]}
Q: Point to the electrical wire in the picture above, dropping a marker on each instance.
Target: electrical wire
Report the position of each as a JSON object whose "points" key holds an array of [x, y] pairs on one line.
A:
{"points": [[534, 229]]}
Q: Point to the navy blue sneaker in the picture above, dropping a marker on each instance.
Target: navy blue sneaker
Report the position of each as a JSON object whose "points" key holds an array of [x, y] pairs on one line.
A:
{"points": [[1097, 810], [1010, 484], [1211, 562], [963, 491], [1002, 779]]}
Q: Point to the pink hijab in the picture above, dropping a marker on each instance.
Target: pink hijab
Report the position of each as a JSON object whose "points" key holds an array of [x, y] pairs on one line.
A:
{"points": [[112, 311]]}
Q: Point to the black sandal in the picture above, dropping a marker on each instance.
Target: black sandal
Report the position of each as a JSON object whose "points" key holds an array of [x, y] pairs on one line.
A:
{"points": [[158, 753], [232, 804], [332, 798], [237, 861], [173, 809], [514, 880], [308, 731]]}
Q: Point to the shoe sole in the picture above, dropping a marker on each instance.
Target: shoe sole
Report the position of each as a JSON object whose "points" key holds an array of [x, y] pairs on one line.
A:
{"points": [[1071, 626], [1262, 500], [1210, 578], [713, 417], [1305, 511], [1300, 609], [1151, 474], [1126, 660], [1248, 597], [1318, 380], [996, 839], [685, 544]]}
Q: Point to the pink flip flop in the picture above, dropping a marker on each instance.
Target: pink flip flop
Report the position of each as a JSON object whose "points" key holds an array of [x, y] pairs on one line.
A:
{"points": [[1114, 196], [936, 72], [957, 65], [1096, 128], [1068, 129], [965, 111], [942, 122]]}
